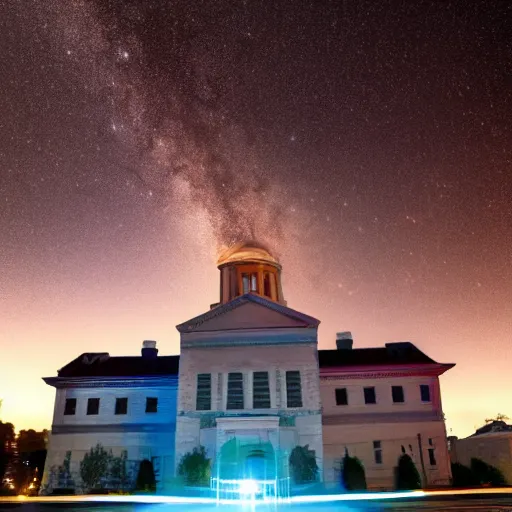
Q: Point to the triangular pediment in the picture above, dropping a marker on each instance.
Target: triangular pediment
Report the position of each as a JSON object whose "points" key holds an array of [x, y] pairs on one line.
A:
{"points": [[248, 312]]}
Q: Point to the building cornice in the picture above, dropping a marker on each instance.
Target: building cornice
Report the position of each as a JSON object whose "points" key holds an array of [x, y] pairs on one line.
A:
{"points": [[111, 428], [112, 382], [250, 337], [384, 372]]}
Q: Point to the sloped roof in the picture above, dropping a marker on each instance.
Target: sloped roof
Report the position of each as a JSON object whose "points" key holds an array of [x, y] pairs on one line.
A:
{"points": [[102, 365], [390, 354], [493, 426], [194, 323]]}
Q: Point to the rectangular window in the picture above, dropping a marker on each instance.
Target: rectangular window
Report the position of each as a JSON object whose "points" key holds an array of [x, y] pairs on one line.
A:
{"points": [[432, 457], [151, 404], [249, 283], [204, 392], [377, 452], [93, 406], [121, 406], [341, 396], [293, 389], [425, 392], [260, 390], [70, 407], [245, 283], [398, 394], [235, 391], [369, 396]]}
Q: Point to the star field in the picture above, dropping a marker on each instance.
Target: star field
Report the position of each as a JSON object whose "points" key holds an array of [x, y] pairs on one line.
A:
{"points": [[366, 143]]}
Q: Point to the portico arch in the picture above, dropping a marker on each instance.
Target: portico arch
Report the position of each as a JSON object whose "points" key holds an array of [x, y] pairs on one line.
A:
{"points": [[242, 458]]}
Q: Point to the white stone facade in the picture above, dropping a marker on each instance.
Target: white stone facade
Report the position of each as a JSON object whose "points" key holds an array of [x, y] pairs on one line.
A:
{"points": [[271, 342]]}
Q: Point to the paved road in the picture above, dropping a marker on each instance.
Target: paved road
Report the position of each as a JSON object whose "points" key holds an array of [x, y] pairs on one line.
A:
{"points": [[438, 502]]}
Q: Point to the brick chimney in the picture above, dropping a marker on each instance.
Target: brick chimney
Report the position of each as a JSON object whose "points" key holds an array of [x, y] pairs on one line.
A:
{"points": [[149, 349], [344, 340]]}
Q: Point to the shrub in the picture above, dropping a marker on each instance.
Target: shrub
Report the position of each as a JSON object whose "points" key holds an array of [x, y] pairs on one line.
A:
{"points": [[146, 480], [303, 465], [353, 477], [462, 476], [94, 467], [195, 467], [407, 476], [485, 474]]}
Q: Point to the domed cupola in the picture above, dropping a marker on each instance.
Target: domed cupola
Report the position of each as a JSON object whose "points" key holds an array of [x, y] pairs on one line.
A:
{"points": [[249, 268]]}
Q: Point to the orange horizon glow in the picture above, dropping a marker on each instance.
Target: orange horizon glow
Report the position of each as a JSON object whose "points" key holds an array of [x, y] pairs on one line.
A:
{"points": [[59, 331]]}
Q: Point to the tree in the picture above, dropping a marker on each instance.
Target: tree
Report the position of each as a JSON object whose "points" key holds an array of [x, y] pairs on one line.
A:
{"points": [[195, 467], [407, 476], [31, 441], [485, 474], [7, 438], [499, 417], [94, 468], [118, 472], [303, 465], [353, 477], [32, 452], [462, 476], [146, 480]]}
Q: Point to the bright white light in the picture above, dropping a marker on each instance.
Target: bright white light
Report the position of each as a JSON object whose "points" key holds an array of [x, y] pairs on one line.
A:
{"points": [[248, 487]]}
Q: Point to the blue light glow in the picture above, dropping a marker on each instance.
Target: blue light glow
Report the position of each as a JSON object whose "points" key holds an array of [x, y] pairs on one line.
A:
{"points": [[248, 488]]}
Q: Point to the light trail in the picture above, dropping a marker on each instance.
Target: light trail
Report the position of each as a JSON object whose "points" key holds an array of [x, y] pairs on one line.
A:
{"points": [[326, 498]]}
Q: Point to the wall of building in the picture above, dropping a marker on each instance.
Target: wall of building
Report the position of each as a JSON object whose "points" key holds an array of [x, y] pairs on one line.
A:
{"points": [[384, 403], [357, 425], [140, 434], [219, 361], [167, 400], [275, 359], [494, 448]]}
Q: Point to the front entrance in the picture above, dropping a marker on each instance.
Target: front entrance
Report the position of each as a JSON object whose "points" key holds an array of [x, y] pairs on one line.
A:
{"points": [[249, 469], [249, 459], [245, 458]]}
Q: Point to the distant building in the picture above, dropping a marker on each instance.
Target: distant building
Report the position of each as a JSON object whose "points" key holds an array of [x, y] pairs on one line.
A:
{"points": [[491, 443], [250, 385]]}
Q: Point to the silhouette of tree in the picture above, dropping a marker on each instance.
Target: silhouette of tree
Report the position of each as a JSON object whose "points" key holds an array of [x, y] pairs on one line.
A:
{"points": [[146, 480], [353, 476], [407, 476], [7, 437], [303, 465], [499, 417]]}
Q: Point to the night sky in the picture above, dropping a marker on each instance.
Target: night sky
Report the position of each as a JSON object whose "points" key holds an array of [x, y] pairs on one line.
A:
{"points": [[367, 143]]}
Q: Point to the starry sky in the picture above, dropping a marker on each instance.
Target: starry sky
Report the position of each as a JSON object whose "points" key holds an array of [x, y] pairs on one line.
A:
{"points": [[368, 144]]}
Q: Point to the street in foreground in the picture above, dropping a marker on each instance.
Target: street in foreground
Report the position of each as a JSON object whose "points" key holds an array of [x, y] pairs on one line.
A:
{"points": [[439, 501]]}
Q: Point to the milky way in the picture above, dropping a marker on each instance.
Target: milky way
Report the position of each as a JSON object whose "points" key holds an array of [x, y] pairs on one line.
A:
{"points": [[161, 68], [367, 143]]}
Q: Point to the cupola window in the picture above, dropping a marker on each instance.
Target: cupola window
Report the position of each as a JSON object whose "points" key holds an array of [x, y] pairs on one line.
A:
{"points": [[267, 288], [250, 282]]}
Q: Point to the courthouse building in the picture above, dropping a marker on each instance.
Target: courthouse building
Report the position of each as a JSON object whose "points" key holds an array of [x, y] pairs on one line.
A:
{"points": [[249, 385]]}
